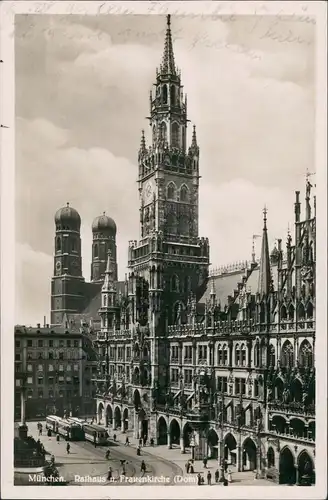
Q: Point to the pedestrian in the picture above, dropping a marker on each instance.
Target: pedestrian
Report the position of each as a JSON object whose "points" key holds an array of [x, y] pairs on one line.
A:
{"points": [[49, 433], [109, 474], [217, 475], [152, 442], [225, 463], [139, 450], [57, 438], [203, 480], [205, 463], [68, 447], [225, 483], [144, 440], [187, 466], [143, 468], [209, 477], [107, 454], [114, 437], [127, 442], [140, 442], [229, 476], [199, 479], [191, 470]]}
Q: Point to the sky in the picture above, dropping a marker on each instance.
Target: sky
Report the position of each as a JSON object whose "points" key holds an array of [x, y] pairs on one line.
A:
{"points": [[82, 97]]}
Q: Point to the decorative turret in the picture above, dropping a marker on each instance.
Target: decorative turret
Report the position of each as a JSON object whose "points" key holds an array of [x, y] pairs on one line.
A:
{"points": [[265, 271], [109, 305]]}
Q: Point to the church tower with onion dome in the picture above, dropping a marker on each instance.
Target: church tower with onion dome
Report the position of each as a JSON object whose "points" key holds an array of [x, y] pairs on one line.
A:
{"points": [[67, 283], [103, 241]]}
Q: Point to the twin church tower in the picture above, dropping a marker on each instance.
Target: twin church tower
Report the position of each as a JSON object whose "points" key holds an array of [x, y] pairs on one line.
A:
{"points": [[169, 256]]}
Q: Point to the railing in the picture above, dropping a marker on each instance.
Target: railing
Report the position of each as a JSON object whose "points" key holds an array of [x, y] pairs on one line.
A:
{"points": [[292, 408], [291, 435]]}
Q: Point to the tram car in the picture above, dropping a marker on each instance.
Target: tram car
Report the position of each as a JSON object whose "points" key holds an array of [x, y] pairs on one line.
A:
{"points": [[95, 434], [71, 431]]}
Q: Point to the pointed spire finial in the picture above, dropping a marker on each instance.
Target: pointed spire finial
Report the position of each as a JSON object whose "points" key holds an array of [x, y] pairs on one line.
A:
{"points": [[143, 141], [194, 137], [168, 64], [67, 204], [265, 269], [265, 211], [104, 213]]}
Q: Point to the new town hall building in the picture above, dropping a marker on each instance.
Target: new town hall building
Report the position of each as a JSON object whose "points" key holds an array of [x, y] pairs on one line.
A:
{"points": [[217, 364]]}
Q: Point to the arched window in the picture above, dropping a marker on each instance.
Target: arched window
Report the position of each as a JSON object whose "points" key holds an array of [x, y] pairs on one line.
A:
{"points": [[58, 244], [272, 356], [243, 355], [262, 313], [301, 311], [174, 283], [257, 354], [175, 135], [309, 311], [225, 354], [164, 94], [184, 193], [291, 311], [105, 300], [173, 95], [283, 313], [95, 251], [171, 191], [306, 354], [287, 355], [220, 355], [237, 355], [163, 131]]}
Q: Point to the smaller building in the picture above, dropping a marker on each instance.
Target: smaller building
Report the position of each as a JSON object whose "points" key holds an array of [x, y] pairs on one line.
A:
{"points": [[53, 371]]}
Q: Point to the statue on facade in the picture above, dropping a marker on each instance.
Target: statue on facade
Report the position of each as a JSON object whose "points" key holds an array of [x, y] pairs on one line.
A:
{"points": [[285, 395]]}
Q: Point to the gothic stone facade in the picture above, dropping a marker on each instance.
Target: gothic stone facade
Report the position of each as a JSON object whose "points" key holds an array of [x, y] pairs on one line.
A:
{"points": [[226, 376]]}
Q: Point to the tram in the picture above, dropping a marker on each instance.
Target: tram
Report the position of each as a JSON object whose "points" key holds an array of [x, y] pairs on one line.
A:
{"points": [[70, 430], [95, 433]]}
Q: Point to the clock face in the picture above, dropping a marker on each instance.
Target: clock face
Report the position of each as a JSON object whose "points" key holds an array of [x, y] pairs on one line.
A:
{"points": [[58, 268], [148, 192]]}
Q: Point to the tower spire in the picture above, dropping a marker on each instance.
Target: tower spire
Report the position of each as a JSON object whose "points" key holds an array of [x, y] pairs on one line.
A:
{"points": [[194, 137], [265, 271], [109, 274], [168, 64], [142, 141]]}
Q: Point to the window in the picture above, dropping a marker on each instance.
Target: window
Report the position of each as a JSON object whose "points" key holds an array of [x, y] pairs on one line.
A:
{"points": [[50, 368], [51, 355], [61, 394], [29, 343], [29, 355], [29, 368], [164, 94], [128, 353], [61, 355], [51, 394], [171, 191], [17, 357], [287, 355], [40, 380], [58, 244], [76, 368], [237, 355], [175, 353], [111, 353], [243, 386], [51, 380], [18, 382], [68, 368], [256, 388], [76, 343], [183, 193], [202, 352], [40, 343], [175, 135], [222, 384], [69, 380], [272, 356], [30, 380], [61, 368], [68, 343], [40, 368], [173, 95], [306, 354], [188, 377], [61, 379], [40, 355], [51, 343], [188, 353], [243, 355], [237, 386], [17, 343], [61, 343], [30, 394]]}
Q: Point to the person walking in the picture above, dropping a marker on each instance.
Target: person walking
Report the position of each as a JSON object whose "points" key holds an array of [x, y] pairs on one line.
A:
{"points": [[107, 454], [143, 468], [127, 442], [217, 475], [209, 478], [68, 447], [187, 466], [144, 440], [205, 463], [109, 474], [199, 479], [139, 450], [229, 478]]}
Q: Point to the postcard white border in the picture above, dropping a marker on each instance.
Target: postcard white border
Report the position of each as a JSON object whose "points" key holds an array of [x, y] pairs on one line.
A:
{"points": [[7, 142]]}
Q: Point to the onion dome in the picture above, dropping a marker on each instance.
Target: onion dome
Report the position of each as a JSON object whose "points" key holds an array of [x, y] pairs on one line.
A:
{"points": [[103, 223], [68, 218]]}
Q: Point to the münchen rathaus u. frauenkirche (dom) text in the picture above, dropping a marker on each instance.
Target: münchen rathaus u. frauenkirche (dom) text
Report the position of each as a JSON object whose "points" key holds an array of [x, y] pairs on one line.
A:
{"points": [[220, 363]]}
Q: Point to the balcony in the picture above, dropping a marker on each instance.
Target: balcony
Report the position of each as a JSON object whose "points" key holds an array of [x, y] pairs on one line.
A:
{"points": [[293, 408]]}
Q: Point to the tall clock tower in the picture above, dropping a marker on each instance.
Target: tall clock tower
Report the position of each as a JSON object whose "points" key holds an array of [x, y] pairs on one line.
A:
{"points": [[170, 255], [67, 282]]}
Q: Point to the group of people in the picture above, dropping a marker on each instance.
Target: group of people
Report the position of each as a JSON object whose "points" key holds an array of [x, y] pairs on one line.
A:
{"points": [[201, 478]]}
